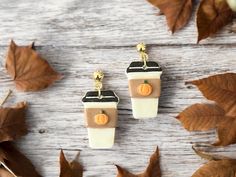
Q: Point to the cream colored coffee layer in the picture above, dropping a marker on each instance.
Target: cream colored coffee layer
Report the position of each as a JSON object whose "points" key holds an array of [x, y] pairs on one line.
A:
{"points": [[100, 105], [143, 108], [101, 138], [232, 4], [144, 75]]}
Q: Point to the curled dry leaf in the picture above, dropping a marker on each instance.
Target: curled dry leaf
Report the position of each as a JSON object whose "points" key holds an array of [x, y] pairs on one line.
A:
{"points": [[28, 69], [12, 126], [12, 122], [177, 12], [212, 15], [153, 169], [16, 162], [70, 169], [220, 88], [220, 167]]}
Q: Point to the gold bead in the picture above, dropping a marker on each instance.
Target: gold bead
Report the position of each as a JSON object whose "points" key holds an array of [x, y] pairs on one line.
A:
{"points": [[141, 47], [98, 75]]}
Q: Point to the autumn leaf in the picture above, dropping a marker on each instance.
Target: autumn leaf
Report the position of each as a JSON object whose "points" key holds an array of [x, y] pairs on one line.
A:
{"points": [[212, 15], [5, 173], [12, 122], [70, 169], [28, 69], [226, 132], [220, 167], [220, 88], [12, 126], [153, 169], [201, 117], [16, 162], [177, 12]]}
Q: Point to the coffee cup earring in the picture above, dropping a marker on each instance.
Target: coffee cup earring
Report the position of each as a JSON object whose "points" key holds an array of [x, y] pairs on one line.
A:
{"points": [[100, 108], [144, 85]]}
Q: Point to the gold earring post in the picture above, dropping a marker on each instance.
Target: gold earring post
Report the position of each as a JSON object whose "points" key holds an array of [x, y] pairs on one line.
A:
{"points": [[98, 78], [141, 47]]}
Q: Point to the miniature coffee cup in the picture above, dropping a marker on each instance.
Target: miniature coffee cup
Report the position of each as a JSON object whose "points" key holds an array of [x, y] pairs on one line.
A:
{"points": [[144, 87], [100, 108]]}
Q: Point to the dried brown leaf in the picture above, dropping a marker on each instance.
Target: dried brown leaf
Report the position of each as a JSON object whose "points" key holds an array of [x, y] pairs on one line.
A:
{"points": [[16, 162], [153, 169], [220, 168], [201, 117], [5, 173], [28, 69], [226, 132], [212, 15], [220, 88], [12, 122], [177, 12], [70, 169]]}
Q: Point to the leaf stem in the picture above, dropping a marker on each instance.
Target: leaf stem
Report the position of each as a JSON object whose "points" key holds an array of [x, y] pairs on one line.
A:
{"points": [[202, 154], [8, 169], [208, 156], [6, 97]]}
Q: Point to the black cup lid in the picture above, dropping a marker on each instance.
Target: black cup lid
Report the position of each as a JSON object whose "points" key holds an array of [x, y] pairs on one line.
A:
{"points": [[106, 96], [137, 66]]}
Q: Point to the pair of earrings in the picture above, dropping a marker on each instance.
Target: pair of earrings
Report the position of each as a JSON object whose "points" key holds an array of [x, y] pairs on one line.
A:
{"points": [[100, 106]]}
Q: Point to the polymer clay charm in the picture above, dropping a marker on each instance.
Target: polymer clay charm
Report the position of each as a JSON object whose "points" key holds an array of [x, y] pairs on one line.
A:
{"points": [[144, 85], [100, 109]]}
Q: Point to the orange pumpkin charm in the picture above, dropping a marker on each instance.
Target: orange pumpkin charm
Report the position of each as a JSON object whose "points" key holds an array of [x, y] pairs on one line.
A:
{"points": [[101, 119], [144, 89]]}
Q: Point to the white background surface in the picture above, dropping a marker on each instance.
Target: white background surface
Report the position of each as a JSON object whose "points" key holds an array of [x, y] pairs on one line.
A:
{"points": [[77, 37]]}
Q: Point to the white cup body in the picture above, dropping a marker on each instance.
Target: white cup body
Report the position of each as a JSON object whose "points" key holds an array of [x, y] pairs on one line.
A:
{"points": [[101, 138], [144, 108]]}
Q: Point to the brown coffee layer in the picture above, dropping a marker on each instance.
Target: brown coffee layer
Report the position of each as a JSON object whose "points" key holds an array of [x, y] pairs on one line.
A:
{"points": [[90, 114], [134, 84]]}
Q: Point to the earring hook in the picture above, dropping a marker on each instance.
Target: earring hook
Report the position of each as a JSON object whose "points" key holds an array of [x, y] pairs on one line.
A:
{"points": [[141, 47], [98, 78]]}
